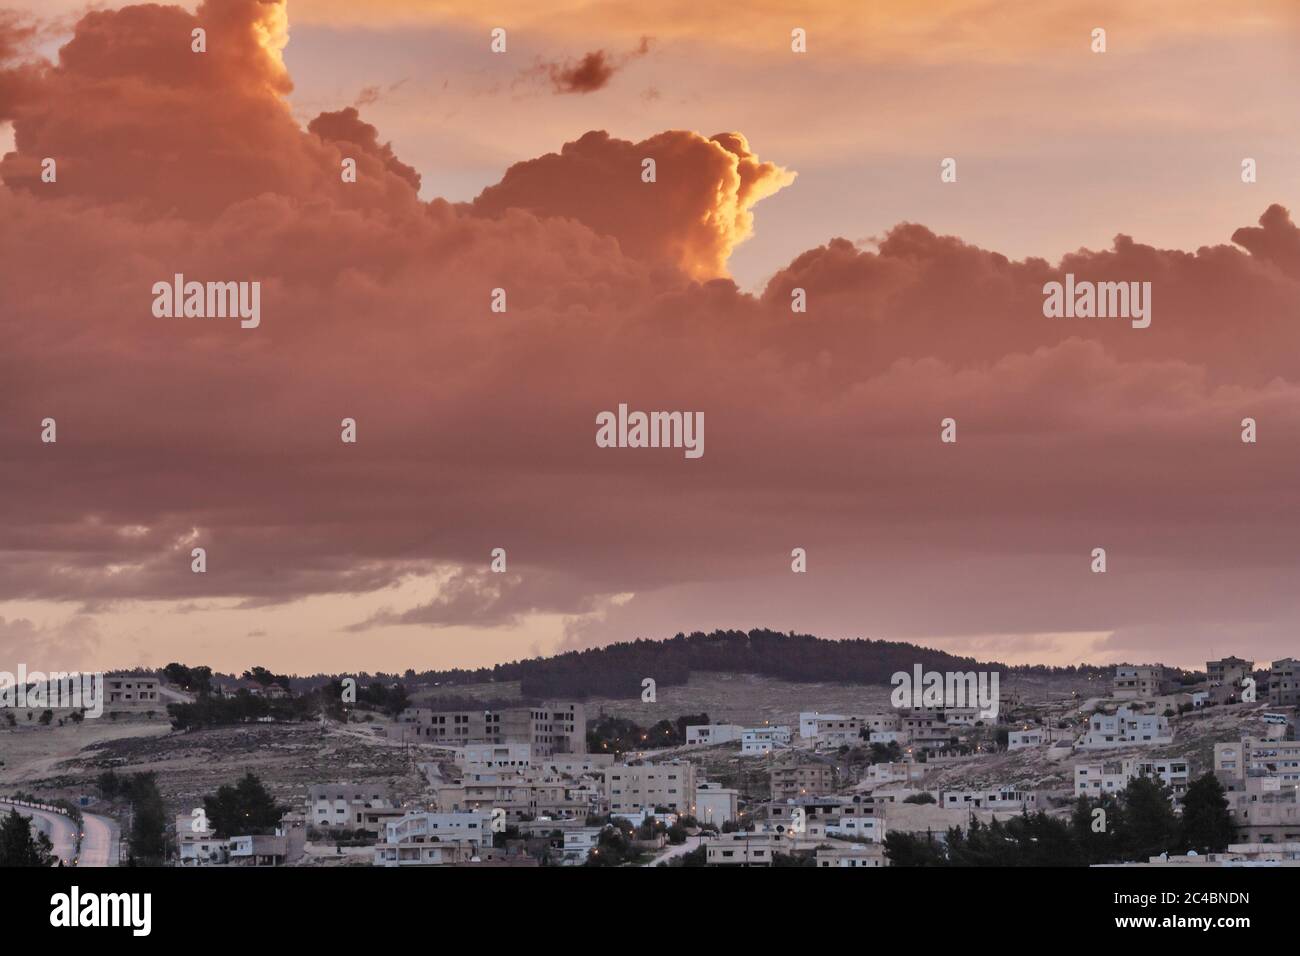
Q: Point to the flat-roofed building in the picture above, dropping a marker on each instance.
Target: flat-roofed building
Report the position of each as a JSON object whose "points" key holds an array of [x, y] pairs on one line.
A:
{"points": [[703, 735], [852, 856], [1228, 670], [351, 806], [650, 786], [127, 693], [1284, 683], [1143, 682], [549, 728], [715, 804], [801, 780], [1096, 779]]}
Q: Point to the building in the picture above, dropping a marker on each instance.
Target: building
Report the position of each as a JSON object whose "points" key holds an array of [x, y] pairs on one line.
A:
{"points": [[834, 731], [744, 849], [1021, 739], [1144, 682], [650, 786], [1095, 779], [434, 839], [860, 828], [127, 693], [801, 780], [495, 755], [808, 722], [1125, 728], [852, 855], [201, 846], [1002, 798], [348, 806], [1229, 671], [1284, 683], [755, 741], [715, 804], [1235, 763], [549, 728], [702, 735]]}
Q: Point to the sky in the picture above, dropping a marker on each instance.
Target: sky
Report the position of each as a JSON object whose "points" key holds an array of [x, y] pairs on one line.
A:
{"points": [[776, 171]]}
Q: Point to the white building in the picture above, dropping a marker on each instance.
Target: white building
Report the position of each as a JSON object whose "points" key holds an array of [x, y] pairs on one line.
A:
{"points": [[1002, 798], [497, 756], [699, 735], [715, 804], [1095, 779], [852, 856], [755, 741], [414, 839], [808, 722], [868, 828], [1125, 728], [1021, 739]]}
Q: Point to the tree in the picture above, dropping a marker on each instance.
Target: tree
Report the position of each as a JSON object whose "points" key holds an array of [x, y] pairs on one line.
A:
{"points": [[20, 846], [1150, 827], [923, 796], [46, 717], [909, 849], [1207, 825], [246, 808], [148, 819]]}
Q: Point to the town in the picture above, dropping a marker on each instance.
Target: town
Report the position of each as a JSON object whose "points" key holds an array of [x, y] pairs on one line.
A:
{"points": [[1146, 766]]}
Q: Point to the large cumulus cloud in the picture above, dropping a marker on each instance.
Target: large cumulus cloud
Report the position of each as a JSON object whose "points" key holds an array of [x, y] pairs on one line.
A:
{"points": [[476, 428]]}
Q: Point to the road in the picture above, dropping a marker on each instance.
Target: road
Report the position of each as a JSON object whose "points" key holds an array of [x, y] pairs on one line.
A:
{"points": [[98, 846], [692, 843]]}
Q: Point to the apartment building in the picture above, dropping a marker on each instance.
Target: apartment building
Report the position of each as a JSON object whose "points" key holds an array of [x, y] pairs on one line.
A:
{"points": [[127, 693], [840, 731], [348, 806], [1234, 763], [808, 722], [860, 828], [434, 839], [1228, 671], [548, 728], [756, 741], [801, 780], [650, 786], [1266, 811], [1144, 682], [1284, 683], [1095, 779], [702, 735], [1125, 728]]}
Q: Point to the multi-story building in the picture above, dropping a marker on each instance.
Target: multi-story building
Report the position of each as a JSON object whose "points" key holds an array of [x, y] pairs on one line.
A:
{"points": [[808, 722], [431, 839], [755, 741], [1228, 671], [548, 728], [1021, 739], [1284, 683], [836, 731], [1095, 779], [801, 780], [351, 806], [498, 756], [127, 693], [715, 804], [650, 786], [1144, 682], [1125, 728], [1234, 763], [521, 795]]}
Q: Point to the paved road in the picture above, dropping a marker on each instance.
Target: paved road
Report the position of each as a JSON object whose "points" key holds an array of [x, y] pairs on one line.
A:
{"points": [[61, 831], [99, 844]]}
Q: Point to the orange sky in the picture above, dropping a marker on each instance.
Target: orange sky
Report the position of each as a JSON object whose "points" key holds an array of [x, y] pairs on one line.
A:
{"points": [[479, 171]]}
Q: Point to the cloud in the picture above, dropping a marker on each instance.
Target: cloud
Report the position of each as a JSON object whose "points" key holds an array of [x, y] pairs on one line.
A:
{"points": [[476, 429], [692, 217], [591, 72]]}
